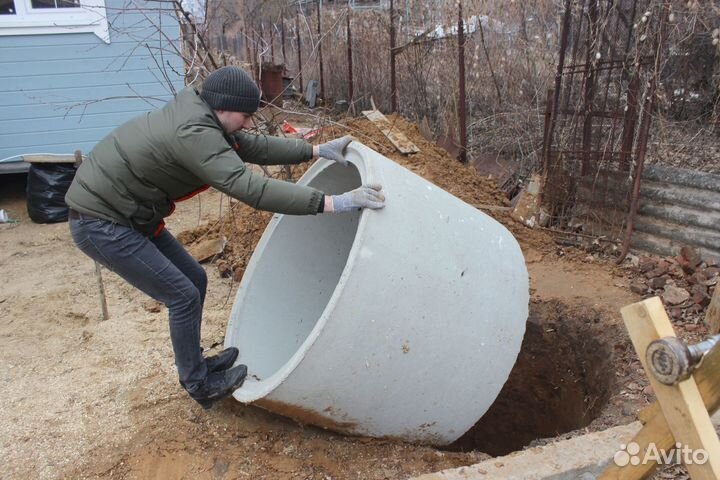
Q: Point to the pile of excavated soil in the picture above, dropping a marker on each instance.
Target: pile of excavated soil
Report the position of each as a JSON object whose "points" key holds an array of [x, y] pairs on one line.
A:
{"points": [[243, 225]]}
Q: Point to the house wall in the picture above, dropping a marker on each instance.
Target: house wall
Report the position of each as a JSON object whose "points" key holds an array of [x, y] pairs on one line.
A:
{"points": [[63, 92]]}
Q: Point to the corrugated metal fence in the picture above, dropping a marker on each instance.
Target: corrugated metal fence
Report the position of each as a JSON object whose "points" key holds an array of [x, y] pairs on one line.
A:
{"points": [[678, 207]]}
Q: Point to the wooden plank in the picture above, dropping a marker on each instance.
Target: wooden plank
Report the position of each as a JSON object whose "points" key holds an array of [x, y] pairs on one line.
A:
{"points": [[49, 158], [656, 429], [397, 138], [712, 317], [682, 415]]}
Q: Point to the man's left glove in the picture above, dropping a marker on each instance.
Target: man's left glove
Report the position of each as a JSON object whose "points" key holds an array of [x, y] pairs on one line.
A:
{"points": [[334, 149]]}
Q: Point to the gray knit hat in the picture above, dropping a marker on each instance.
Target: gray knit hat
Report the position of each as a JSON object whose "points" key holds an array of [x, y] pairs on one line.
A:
{"points": [[230, 88]]}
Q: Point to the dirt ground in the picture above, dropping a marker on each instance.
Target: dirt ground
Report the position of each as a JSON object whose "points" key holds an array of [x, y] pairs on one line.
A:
{"points": [[86, 398]]}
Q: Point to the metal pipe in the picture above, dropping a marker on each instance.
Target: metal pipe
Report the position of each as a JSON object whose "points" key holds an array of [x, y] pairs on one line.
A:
{"points": [[282, 39], [393, 86], [299, 49], [648, 106], [547, 143], [350, 60], [462, 120], [320, 56]]}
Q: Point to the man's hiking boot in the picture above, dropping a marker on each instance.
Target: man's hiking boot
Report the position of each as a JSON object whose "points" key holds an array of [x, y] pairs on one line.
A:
{"points": [[219, 385], [223, 360]]}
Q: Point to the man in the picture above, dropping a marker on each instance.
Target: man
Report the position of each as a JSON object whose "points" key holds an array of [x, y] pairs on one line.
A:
{"points": [[131, 179]]}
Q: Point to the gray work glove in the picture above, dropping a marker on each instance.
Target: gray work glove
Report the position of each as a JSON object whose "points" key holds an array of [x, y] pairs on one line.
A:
{"points": [[333, 150], [367, 196]]}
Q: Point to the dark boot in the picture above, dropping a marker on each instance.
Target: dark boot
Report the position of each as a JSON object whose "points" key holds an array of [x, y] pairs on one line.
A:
{"points": [[223, 360], [219, 385]]}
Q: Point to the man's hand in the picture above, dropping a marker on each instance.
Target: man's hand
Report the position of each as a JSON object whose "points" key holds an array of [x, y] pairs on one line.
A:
{"points": [[367, 196], [334, 149]]}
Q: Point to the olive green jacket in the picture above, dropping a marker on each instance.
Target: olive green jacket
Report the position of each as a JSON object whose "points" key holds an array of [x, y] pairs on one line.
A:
{"points": [[135, 174]]}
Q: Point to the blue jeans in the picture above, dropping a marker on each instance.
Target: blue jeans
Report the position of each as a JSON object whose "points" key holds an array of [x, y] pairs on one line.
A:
{"points": [[161, 268]]}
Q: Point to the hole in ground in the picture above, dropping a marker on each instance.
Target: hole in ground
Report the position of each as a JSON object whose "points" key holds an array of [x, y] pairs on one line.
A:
{"points": [[561, 381]]}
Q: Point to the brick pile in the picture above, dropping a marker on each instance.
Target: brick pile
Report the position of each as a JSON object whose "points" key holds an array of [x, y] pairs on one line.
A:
{"points": [[685, 282]]}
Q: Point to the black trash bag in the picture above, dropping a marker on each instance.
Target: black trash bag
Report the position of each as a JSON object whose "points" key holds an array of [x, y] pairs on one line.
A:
{"points": [[47, 184]]}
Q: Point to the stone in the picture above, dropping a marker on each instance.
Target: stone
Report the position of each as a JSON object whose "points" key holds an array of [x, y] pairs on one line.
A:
{"points": [[691, 255], [658, 283], [628, 410], [711, 262], [638, 286], [699, 295], [688, 259], [224, 269], [695, 308], [697, 277], [152, 306], [647, 264], [674, 295], [677, 272], [712, 271], [698, 289], [207, 248], [661, 269], [238, 273]]}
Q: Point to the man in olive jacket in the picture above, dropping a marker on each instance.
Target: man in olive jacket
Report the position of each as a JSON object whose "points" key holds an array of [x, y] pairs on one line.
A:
{"points": [[131, 179]]}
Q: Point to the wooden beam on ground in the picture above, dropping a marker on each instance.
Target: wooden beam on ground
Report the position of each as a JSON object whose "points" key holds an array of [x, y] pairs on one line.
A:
{"points": [[712, 317], [681, 412], [397, 138]]}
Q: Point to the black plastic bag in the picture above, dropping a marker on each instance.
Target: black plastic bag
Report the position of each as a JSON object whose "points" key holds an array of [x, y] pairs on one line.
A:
{"points": [[47, 184]]}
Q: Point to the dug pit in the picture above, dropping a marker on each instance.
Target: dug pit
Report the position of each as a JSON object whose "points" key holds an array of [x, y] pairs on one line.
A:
{"points": [[563, 378]]}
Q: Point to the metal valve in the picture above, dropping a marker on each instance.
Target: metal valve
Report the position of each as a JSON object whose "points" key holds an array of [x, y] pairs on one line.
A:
{"points": [[671, 360]]}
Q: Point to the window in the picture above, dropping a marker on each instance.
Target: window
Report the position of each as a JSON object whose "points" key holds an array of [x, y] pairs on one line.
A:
{"points": [[38, 17], [7, 7], [54, 3]]}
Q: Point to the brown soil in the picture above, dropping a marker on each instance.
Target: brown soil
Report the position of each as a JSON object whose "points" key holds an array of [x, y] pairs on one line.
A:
{"points": [[85, 398]]}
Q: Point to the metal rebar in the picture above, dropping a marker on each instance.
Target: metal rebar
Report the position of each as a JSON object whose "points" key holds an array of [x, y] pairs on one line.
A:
{"points": [[320, 56], [393, 86], [350, 59], [462, 120], [299, 49]]}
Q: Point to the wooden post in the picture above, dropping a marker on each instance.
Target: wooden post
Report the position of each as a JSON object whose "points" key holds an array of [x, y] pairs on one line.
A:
{"points": [[680, 414], [712, 317], [98, 273], [101, 288]]}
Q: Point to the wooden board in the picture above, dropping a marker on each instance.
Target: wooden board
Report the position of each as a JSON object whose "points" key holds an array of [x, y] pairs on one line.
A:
{"points": [[682, 412], [712, 317], [49, 158], [397, 138]]}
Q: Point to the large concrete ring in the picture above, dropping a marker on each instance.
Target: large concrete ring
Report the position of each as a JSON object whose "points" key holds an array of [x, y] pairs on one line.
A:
{"points": [[403, 322]]}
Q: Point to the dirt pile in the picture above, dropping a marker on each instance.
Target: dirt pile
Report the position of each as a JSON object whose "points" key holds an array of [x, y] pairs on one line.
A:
{"points": [[243, 226]]}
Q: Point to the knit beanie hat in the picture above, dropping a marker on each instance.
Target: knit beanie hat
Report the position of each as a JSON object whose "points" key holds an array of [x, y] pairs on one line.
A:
{"points": [[230, 88]]}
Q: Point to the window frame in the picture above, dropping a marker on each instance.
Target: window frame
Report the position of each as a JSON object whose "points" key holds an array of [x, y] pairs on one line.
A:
{"points": [[89, 17]]}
